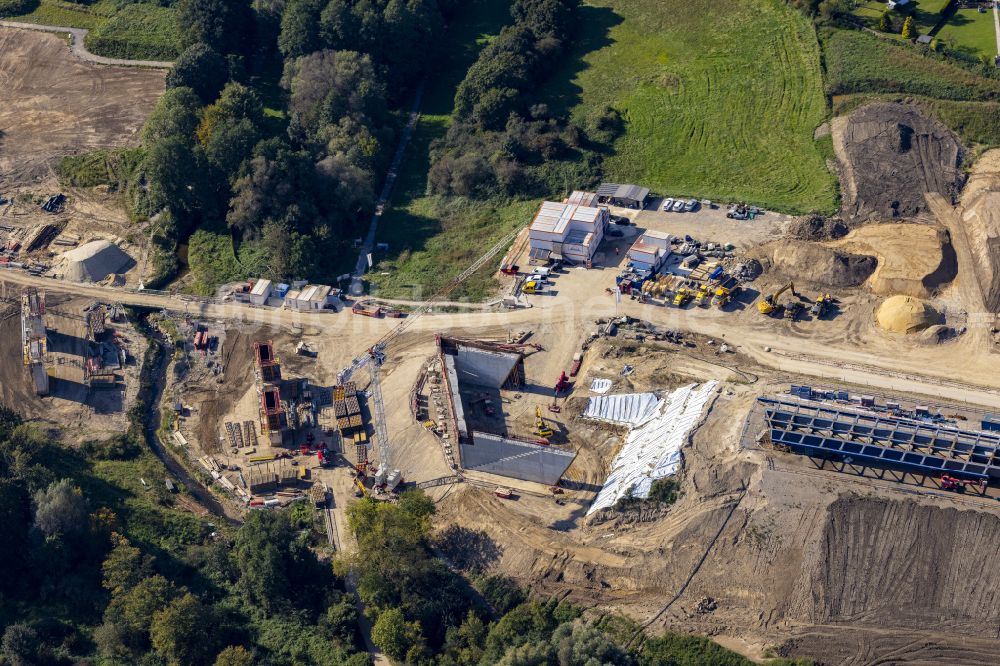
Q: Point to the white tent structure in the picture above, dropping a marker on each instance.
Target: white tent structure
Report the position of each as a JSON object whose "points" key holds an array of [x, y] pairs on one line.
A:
{"points": [[652, 448]]}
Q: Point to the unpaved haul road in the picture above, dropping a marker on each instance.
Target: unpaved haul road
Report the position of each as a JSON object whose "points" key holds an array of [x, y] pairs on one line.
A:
{"points": [[79, 46], [969, 377]]}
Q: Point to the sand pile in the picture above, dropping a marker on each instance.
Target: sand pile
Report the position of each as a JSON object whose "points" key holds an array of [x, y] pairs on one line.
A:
{"points": [[905, 314], [981, 219], [802, 261], [913, 259], [892, 155], [94, 261]]}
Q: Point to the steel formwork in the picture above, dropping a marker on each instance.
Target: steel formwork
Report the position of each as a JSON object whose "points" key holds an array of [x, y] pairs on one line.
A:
{"points": [[881, 440]]}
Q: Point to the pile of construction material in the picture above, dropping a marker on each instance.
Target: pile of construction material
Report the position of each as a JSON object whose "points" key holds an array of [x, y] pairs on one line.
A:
{"points": [[94, 261], [905, 314]]}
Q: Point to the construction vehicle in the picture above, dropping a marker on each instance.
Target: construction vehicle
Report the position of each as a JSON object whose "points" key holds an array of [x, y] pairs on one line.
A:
{"points": [[682, 296], [367, 309], [542, 428], [361, 487], [769, 303], [958, 485], [375, 356], [563, 384], [722, 297], [821, 306], [702, 296], [504, 493], [509, 269]]}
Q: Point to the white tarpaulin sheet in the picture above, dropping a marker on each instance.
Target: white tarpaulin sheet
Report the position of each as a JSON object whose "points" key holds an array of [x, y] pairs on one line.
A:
{"points": [[630, 409], [652, 448], [600, 385]]}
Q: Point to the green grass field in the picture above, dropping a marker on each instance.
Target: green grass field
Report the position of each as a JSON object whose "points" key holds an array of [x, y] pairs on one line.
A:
{"points": [[138, 32], [718, 104], [433, 238], [971, 33], [135, 31], [858, 62]]}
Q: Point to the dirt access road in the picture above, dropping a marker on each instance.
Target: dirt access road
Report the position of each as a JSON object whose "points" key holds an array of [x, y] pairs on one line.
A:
{"points": [[890, 365], [79, 47]]}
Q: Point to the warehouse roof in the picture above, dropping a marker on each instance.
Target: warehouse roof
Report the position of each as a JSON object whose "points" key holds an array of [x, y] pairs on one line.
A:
{"points": [[555, 218], [260, 287], [314, 292], [629, 192]]}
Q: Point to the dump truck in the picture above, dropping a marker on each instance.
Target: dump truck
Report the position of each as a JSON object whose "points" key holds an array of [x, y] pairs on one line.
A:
{"points": [[821, 306]]}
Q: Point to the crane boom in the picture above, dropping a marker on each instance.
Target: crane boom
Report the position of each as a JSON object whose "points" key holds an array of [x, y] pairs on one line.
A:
{"points": [[374, 357]]}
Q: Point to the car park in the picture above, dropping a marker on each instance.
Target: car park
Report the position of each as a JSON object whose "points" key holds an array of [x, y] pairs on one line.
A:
{"points": [[668, 203]]}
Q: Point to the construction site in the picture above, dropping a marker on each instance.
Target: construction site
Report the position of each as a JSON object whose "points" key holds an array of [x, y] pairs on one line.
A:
{"points": [[777, 431], [75, 360]]}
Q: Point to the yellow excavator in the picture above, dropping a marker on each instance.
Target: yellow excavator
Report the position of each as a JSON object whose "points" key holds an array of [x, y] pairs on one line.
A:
{"points": [[542, 428], [769, 303], [682, 296]]}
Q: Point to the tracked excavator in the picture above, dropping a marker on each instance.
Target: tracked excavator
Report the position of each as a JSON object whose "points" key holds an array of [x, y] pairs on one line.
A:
{"points": [[769, 303]]}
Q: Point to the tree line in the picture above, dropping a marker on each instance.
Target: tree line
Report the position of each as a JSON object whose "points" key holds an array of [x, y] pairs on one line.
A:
{"points": [[503, 139], [278, 122]]}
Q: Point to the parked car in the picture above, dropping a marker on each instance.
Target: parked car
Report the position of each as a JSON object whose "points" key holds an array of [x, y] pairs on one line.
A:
{"points": [[691, 205], [668, 203], [678, 205], [537, 277]]}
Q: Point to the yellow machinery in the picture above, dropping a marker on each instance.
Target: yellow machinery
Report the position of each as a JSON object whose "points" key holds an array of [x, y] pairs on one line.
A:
{"points": [[702, 297], [361, 486], [769, 303], [542, 428], [821, 305], [682, 296], [722, 297], [531, 287]]}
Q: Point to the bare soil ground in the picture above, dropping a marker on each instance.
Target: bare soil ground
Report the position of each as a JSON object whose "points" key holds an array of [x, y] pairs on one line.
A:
{"points": [[913, 259], [85, 413], [981, 219], [56, 105], [891, 155]]}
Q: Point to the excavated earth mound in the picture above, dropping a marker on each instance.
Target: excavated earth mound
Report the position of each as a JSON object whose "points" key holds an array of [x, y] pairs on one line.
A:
{"points": [[981, 218], [913, 259], [893, 155], [95, 261], [818, 228], [808, 262], [905, 314]]}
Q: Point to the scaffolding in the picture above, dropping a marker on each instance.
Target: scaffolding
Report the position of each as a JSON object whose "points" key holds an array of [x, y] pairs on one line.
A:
{"points": [[34, 340]]}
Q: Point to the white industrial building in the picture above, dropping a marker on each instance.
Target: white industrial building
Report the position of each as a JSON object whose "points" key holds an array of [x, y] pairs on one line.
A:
{"points": [[261, 292], [570, 231], [310, 297], [650, 251]]}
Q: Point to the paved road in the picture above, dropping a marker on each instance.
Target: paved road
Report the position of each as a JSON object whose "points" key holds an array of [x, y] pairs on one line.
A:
{"points": [[79, 46]]}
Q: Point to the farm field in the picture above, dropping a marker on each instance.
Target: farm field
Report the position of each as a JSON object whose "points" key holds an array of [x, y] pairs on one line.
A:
{"points": [[971, 33], [709, 113], [137, 31]]}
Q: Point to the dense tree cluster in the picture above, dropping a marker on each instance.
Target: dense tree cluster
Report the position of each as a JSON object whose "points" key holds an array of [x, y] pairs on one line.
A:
{"points": [[288, 185], [501, 139]]}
